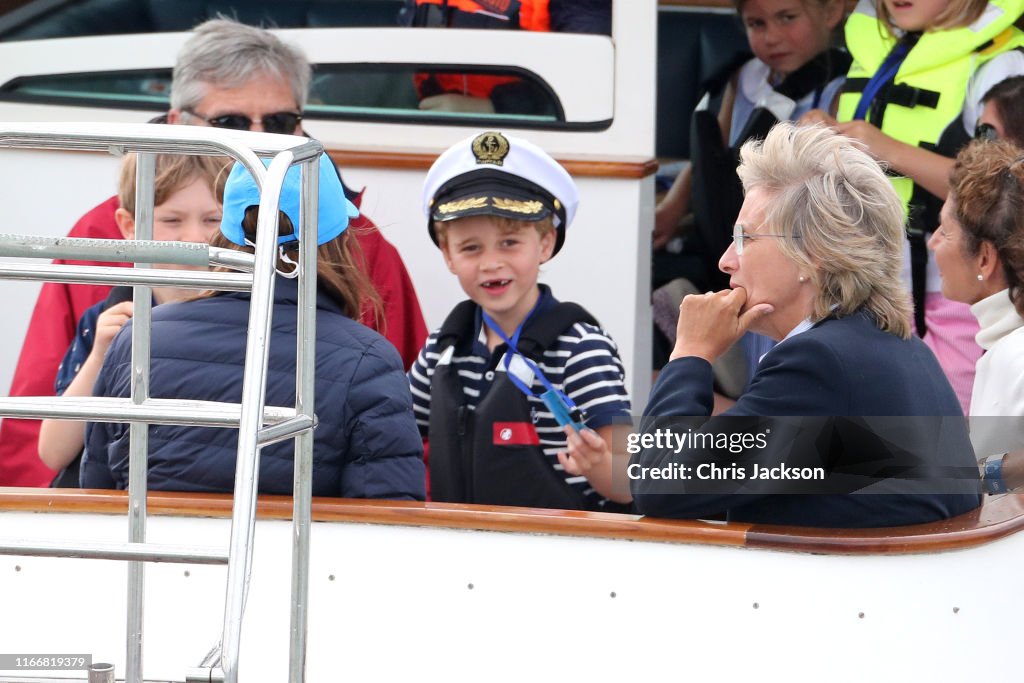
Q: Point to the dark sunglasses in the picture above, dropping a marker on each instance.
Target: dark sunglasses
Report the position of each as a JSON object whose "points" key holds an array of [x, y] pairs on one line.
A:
{"points": [[280, 122], [986, 132]]}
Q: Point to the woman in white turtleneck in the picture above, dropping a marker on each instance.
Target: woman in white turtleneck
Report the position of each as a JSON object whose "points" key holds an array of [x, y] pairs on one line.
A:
{"points": [[979, 250]]}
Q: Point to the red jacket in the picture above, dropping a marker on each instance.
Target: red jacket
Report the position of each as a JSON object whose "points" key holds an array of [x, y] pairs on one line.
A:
{"points": [[59, 306]]}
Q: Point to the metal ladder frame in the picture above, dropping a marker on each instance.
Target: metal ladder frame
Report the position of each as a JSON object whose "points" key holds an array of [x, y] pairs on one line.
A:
{"points": [[141, 410]]}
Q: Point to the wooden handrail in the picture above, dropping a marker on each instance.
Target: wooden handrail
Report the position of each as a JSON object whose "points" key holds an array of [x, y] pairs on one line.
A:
{"points": [[584, 168], [1000, 516]]}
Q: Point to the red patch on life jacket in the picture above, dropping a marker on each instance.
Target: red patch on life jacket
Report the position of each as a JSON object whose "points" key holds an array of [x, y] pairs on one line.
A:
{"points": [[515, 434]]}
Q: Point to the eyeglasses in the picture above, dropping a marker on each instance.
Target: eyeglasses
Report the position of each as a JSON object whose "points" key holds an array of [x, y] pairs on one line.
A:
{"points": [[279, 122], [739, 236], [986, 132]]}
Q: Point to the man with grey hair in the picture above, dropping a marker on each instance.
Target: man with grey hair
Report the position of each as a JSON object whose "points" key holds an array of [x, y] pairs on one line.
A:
{"points": [[228, 75]]}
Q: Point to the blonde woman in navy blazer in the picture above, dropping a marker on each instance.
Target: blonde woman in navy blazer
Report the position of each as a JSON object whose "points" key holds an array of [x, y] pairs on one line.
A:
{"points": [[849, 421]]}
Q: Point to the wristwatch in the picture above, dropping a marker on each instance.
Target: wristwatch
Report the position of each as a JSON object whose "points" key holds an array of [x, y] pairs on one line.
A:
{"points": [[992, 475]]}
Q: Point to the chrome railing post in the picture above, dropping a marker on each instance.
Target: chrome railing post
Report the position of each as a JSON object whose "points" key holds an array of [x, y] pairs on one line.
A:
{"points": [[243, 518], [139, 432], [305, 396]]}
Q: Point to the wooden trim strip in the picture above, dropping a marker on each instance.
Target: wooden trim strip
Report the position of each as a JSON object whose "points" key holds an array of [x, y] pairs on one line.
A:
{"points": [[999, 517], [404, 513], [421, 162], [405, 161]]}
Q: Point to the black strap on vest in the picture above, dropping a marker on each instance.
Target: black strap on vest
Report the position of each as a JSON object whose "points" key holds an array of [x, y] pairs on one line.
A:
{"points": [[458, 327], [904, 95], [917, 237], [908, 96], [923, 217], [816, 73], [876, 109], [541, 332]]}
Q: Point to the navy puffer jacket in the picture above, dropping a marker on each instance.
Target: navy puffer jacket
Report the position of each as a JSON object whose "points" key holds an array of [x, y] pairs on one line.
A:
{"points": [[366, 444]]}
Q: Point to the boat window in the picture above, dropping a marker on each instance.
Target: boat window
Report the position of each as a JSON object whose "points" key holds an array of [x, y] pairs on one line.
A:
{"points": [[127, 89], [403, 92], [367, 92]]}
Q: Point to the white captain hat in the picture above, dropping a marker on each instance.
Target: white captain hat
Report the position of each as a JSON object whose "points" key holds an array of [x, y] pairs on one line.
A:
{"points": [[499, 175]]}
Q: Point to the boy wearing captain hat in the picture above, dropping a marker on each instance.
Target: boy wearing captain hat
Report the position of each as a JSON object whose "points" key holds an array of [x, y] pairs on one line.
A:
{"points": [[516, 391]]}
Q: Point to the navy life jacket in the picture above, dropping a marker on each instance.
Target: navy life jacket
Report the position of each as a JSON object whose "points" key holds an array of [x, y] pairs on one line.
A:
{"points": [[492, 455]]}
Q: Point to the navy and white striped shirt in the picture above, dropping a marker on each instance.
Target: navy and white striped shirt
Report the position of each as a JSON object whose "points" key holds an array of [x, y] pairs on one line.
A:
{"points": [[583, 363]]}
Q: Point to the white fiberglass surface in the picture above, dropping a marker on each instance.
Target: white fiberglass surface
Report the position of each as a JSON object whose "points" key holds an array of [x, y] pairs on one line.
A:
{"points": [[400, 603]]}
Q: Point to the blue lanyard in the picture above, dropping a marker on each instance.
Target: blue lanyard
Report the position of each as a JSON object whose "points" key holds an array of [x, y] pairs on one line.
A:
{"points": [[885, 74], [575, 414]]}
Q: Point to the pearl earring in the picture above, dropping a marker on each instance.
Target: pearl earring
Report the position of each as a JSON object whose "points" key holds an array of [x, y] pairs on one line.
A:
{"points": [[804, 279], [980, 277]]}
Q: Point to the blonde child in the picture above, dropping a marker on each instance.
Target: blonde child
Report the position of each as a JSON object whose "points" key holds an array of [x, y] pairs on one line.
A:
{"points": [[186, 209], [913, 97], [516, 391]]}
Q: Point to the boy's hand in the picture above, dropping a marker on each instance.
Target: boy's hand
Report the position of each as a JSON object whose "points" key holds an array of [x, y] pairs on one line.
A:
{"points": [[586, 452], [108, 325], [589, 454]]}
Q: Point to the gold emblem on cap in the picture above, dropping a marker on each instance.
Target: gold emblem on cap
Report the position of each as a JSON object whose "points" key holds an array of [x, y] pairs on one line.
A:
{"points": [[462, 205], [490, 148], [517, 205]]}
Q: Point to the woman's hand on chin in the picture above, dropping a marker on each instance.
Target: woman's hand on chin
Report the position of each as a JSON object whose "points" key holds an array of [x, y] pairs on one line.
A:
{"points": [[710, 323]]}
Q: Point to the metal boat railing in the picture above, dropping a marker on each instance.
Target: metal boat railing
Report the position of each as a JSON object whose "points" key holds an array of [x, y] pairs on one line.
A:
{"points": [[258, 424]]}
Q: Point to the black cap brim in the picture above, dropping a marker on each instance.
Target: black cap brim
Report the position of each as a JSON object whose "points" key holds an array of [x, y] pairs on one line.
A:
{"points": [[495, 193]]}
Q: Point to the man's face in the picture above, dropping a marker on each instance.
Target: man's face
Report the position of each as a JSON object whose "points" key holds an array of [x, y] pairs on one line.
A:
{"points": [[260, 97]]}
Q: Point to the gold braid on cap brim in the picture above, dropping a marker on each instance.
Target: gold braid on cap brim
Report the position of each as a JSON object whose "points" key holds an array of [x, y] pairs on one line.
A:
{"points": [[517, 205], [463, 205]]}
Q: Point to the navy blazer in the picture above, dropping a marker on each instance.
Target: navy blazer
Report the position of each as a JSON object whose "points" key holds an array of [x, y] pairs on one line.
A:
{"points": [[823, 398]]}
